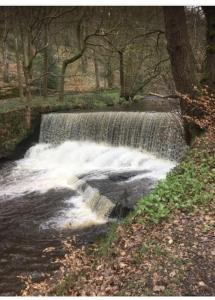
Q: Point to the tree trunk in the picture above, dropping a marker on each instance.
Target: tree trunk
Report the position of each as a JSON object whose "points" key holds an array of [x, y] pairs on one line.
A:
{"points": [[28, 117], [181, 55], [63, 71], [19, 70], [109, 75], [121, 74], [96, 71], [46, 64], [29, 53], [209, 12], [80, 34], [4, 47], [5, 62], [26, 67], [27, 84], [62, 81]]}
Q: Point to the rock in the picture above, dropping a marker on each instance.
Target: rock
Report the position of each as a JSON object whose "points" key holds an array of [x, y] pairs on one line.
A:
{"points": [[202, 284], [170, 241], [158, 288]]}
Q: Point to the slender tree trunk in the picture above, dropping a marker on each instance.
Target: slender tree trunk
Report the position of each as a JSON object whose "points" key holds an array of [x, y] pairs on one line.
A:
{"points": [[26, 68], [80, 34], [28, 116], [27, 83], [178, 45], [4, 47], [84, 57], [5, 62], [62, 81], [209, 12], [29, 53], [121, 74], [19, 70], [96, 71], [109, 75], [46, 64]]}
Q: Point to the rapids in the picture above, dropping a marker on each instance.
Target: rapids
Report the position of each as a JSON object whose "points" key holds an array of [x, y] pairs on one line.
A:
{"points": [[68, 166]]}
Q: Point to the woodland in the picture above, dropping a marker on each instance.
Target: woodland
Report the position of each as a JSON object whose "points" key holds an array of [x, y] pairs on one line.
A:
{"points": [[110, 59]]}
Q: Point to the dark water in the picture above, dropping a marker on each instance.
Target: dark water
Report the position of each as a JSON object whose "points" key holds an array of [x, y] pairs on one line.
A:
{"points": [[23, 240]]}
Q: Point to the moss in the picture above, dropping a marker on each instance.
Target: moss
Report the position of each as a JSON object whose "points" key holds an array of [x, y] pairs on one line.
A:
{"points": [[12, 130]]}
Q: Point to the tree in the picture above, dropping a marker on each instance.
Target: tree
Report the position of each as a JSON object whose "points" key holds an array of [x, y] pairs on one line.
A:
{"points": [[95, 24], [30, 30], [96, 66], [181, 55], [4, 46], [135, 44], [138, 62], [19, 68], [209, 12]]}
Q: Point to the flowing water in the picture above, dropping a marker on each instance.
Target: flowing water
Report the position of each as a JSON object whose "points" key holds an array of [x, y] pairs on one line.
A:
{"points": [[73, 180], [159, 133]]}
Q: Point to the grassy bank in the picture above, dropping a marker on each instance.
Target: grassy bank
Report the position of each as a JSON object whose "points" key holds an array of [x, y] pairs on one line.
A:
{"points": [[163, 248], [89, 100]]}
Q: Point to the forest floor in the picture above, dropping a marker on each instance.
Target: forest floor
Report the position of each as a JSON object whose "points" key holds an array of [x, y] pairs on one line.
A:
{"points": [[166, 247]]}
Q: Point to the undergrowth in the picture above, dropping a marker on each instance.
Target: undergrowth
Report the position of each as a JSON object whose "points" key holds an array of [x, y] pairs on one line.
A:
{"points": [[189, 185], [89, 100]]}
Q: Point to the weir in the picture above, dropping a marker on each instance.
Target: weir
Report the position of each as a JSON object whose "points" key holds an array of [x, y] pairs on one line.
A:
{"points": [[158, 133], [86, 170]]}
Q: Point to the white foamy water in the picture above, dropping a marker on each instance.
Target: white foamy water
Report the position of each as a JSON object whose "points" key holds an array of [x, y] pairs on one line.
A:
{"points": [[46, 167]]}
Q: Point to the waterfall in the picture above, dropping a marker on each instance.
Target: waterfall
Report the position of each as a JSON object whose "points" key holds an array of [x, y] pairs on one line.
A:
{"points": [[89, 207], [158, 133]]}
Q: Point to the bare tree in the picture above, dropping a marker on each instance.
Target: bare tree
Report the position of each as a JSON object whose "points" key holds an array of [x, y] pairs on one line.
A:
{"points": [[87, 42]]}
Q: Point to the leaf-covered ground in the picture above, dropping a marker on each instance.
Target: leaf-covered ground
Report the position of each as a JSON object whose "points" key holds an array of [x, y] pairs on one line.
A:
{"points": [[167, 247]]}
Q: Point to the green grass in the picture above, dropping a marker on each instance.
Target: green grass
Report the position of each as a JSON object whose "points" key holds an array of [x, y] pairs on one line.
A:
{"points": [[190, 185], [69, 282]]}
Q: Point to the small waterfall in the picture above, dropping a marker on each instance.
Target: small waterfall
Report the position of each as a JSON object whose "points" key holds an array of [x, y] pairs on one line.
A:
{"points": [[89, 207], [159, 133], [98, 203]]}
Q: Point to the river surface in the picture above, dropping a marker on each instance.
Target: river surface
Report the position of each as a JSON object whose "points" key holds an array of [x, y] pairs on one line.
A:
{"points": [[72, 189]]}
